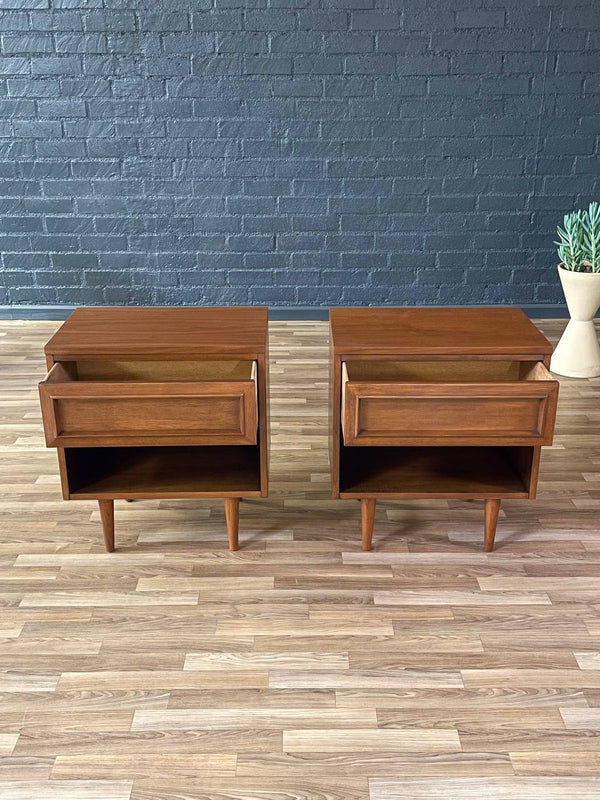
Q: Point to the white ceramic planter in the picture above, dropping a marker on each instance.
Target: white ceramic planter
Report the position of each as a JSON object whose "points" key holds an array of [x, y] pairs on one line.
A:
{"points": [[577, 355]]}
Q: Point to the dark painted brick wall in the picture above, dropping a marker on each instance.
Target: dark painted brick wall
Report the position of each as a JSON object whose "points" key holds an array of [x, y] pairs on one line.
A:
{"points": [[306, 152]]}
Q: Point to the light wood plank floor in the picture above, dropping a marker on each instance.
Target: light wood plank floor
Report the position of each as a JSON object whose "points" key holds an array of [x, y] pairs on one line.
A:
{"points": [[298, 668]]}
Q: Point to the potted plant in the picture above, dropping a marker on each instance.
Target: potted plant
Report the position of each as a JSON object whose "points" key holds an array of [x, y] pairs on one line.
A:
{"points": [[577, 355]]}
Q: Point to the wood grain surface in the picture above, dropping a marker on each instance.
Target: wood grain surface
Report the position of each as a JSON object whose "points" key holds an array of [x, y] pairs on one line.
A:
{"points": [[443, 331], [298, 667], [203, 331]]}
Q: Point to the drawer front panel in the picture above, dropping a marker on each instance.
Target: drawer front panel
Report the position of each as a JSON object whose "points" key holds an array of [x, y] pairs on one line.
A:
{"points": [[397, 414], [130, 416], [83, 414]]}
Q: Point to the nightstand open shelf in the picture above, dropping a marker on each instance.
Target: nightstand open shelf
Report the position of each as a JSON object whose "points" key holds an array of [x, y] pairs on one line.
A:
{"points": [[152, 472], [403, 472]]}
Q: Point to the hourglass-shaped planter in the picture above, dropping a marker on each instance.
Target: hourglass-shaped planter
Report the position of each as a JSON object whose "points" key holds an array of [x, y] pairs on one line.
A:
{"points": [[577, 355]]}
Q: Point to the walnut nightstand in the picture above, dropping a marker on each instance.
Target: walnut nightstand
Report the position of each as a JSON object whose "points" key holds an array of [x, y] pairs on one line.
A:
{"points": [[438, 403], [159, 402]]}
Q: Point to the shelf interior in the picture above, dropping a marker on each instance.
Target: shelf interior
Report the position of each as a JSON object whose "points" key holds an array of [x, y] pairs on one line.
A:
{"points": [[162, 471], [437, 471]]}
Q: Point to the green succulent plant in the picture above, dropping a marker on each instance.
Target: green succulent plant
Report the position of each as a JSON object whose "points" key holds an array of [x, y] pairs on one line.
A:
{"points": [[579, 240], [570, 244], [591, 236]]}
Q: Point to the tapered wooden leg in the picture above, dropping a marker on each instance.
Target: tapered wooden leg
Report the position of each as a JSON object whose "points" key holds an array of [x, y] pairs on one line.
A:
{"points": [[107, 515], [232, 516], [367, 514], [492, 509]]}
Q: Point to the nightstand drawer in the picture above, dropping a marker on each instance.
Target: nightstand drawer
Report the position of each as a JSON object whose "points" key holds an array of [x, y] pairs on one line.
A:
{"points": [[446, 402], [137, 403]]}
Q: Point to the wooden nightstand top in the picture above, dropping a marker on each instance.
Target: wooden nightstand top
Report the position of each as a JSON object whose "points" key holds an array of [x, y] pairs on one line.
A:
{"points": [[156, 332], [436, 331]]}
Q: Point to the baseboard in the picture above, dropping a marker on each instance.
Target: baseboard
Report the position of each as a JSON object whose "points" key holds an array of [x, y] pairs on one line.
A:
{"points": [[16, 312], [299, 312], [547, 311]]}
